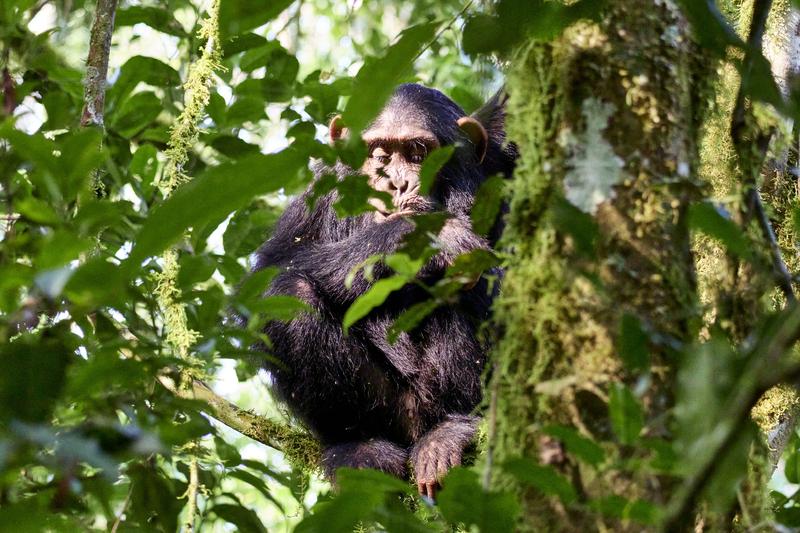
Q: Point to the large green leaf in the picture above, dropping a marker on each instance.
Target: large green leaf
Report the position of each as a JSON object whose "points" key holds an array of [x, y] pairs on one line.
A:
{"points": [[157, 18], [377, 79], [33, 376], [216, 193], [463, 501], [371, 299], [239, 16]]}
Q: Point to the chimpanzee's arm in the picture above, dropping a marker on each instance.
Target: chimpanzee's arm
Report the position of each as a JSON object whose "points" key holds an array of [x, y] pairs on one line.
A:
{"points": [[456, 238], [328, 263]]}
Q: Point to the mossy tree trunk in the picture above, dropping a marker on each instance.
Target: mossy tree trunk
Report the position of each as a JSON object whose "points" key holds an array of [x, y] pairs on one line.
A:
{"points": [[606, 121]]}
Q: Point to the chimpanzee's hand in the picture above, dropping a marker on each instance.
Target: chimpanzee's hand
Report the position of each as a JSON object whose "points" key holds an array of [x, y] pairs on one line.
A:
{"points": [[439, 450]]}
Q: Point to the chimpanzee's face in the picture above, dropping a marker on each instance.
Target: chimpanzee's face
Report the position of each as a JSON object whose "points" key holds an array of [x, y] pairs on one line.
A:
{"points": [[415, 121], [397, 149]]}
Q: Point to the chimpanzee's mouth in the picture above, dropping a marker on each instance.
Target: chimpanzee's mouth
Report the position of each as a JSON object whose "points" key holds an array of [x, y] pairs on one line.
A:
{"points": [[413, 203]]}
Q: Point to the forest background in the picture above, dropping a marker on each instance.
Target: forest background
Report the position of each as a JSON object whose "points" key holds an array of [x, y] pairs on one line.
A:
{"points": [[643, 375]]}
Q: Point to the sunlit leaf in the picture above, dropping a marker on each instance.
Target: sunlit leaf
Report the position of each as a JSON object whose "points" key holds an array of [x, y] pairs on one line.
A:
{"points": [[377, 79], [371, 299], [200, 201]]}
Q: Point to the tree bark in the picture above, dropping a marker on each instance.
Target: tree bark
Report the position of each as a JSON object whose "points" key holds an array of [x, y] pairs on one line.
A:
{"points": [[97, 63], [605, 119]]}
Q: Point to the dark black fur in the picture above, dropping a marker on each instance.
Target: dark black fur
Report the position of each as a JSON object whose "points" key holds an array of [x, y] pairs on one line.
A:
{"points": [[370, 403]]}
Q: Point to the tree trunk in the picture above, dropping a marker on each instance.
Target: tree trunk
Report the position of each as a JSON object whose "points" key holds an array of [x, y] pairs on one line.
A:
{"points": [[605, 118]]}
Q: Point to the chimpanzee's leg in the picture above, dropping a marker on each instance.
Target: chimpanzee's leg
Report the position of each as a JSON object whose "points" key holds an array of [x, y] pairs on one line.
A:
{"points": [[373, 453], [439, 450]]}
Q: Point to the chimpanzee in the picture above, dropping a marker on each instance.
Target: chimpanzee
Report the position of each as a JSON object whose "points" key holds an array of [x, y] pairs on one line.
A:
{"points": [[374, 404]]}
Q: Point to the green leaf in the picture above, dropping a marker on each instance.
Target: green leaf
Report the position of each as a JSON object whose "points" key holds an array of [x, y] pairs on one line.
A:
{"points": [[377, 79], [157, 18], [633, 344], [200, 201], [278, 307], [580, 226], [404, 265], [792, 467], [517, 20], [462, 500], [363, 496], [138, 112], [431, 167], [354, 194], [639, 511], [83, 287], [33, 377], [142, 69], [487, 205], [543, 478], [581, 447], [60, 248], [709, 26], [239, 16], [416, 243], [371, 299], [155, 503], [37, 211], [81, 153], [627, 418], [705, 217], [248, 228], [471, 265], [411, 318], [256, 483]]}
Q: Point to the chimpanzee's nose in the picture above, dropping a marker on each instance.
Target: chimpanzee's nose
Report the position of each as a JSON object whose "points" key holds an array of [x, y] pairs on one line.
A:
{"points": [[399, 184]]}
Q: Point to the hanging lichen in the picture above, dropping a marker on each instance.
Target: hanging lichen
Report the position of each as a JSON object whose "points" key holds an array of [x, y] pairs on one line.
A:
{"points": [[185, 131], [183, 136]]}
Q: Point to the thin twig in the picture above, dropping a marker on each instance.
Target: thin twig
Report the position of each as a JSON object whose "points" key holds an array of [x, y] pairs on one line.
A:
{"points": [[191, 494], [749, 388], [125, 504], [94, 93], [782, 275], [753, 206], [444, 29]]}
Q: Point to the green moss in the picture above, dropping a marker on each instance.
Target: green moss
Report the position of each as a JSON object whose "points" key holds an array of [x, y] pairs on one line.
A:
{"points": [[560, 309], [183, 135]]}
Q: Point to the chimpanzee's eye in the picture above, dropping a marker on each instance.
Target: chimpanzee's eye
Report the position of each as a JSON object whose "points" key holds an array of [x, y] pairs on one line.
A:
{"points": [[381, 156], [417, 152]]}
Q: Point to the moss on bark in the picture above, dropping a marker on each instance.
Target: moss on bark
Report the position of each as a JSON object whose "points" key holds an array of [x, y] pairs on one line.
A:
{"points": [[561, 308]]}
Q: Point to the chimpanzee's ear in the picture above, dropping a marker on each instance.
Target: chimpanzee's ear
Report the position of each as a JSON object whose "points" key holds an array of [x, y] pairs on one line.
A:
{"points": [[336, 129], [477, 134], [492, 115]]}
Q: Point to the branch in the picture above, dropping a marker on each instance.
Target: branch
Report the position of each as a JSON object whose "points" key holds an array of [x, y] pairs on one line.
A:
{"points": [[763, 371], [298, 446], [753, 206], [781, 272], [94, 92]]}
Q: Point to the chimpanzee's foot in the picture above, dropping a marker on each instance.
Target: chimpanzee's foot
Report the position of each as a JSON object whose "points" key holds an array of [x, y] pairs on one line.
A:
{"points": [[439, 450], [374, 453]]}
